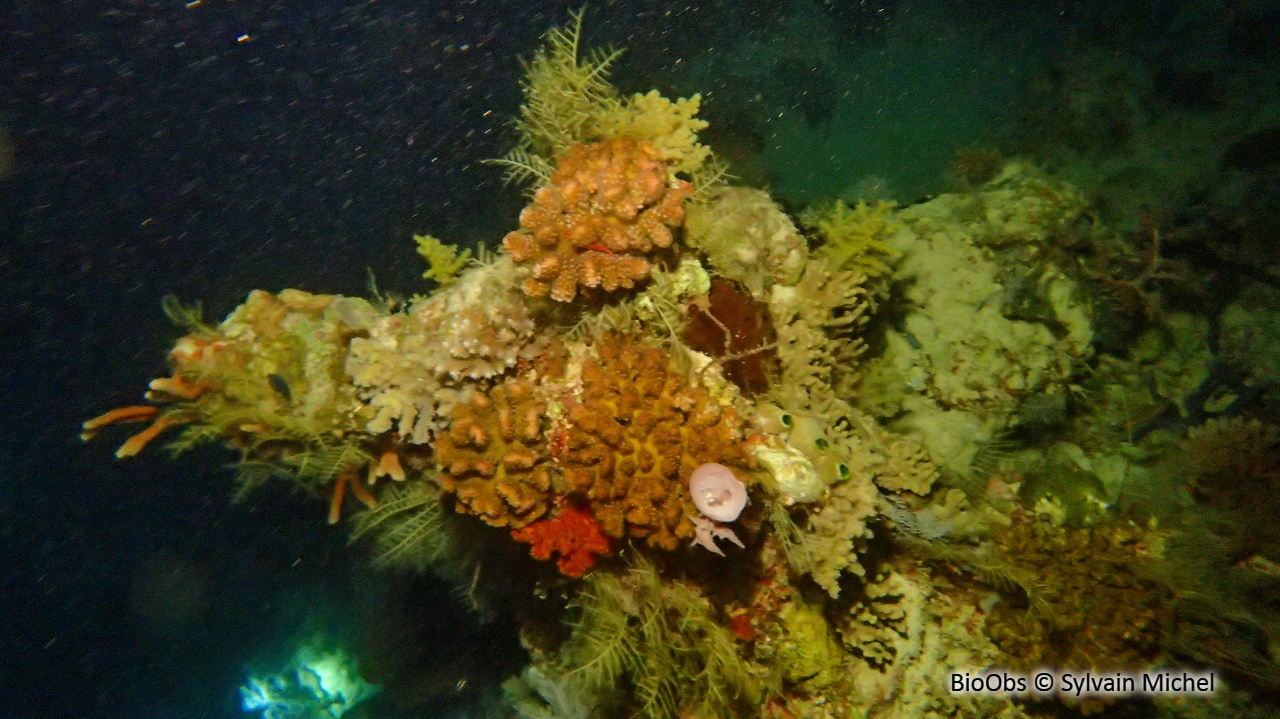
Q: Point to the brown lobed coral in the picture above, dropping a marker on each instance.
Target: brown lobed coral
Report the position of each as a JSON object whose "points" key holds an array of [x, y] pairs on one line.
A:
{"points": [[494, 456], [1087, 607], [607, 205], [633, 437], [1234, 461]]}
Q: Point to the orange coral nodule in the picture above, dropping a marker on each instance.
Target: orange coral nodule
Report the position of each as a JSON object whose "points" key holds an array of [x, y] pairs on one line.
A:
{"points": [[573, 534], [741, 625], [608, 204], [364, 495], [389, 466], [339, 493]]}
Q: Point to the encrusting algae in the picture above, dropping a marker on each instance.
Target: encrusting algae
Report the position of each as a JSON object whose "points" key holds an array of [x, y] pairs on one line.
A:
{"points": [[646, 319]]}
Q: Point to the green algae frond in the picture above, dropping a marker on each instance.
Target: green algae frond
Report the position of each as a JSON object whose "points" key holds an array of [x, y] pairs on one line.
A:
{"points": [[443, 261], [661, 636], [407, 527]]}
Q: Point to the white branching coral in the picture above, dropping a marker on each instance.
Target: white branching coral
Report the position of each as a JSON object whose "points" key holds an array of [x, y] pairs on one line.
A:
{"points": [[838, 530], [400, 390], [481, 324], [408, 368]]}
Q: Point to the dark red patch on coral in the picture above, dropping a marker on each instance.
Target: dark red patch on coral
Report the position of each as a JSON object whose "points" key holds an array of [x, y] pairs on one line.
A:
{"points": [[741, 625], [749, 355]]}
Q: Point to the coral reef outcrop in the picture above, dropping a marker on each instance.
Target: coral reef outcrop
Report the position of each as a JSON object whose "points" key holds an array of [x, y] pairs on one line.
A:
{"points": [[926, 468]]}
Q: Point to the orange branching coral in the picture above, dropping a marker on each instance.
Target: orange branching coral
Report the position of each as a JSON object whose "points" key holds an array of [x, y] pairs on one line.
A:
{"points": [[339, 493], [607, 205], [635, 435], [494, 456], [132, 413], [573, 534]]}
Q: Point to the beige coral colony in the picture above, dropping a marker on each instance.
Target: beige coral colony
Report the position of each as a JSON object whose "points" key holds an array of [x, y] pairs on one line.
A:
{"points": [[844, 386]]}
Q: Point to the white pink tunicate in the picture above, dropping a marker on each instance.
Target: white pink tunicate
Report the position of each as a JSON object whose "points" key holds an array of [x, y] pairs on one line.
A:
{"points": [[717, 493]]}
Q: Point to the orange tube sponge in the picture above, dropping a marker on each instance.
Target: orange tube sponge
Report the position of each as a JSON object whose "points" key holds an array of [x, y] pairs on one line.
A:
{"points": [[573, 534], [637, 433], [494, 456], [607, 205], [139, 441], [132, 413]]}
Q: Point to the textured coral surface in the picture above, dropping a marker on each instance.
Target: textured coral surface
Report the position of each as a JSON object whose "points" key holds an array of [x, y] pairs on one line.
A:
{"points": [[408, 366], [494, 456], [607, 206], [634, 437]]}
